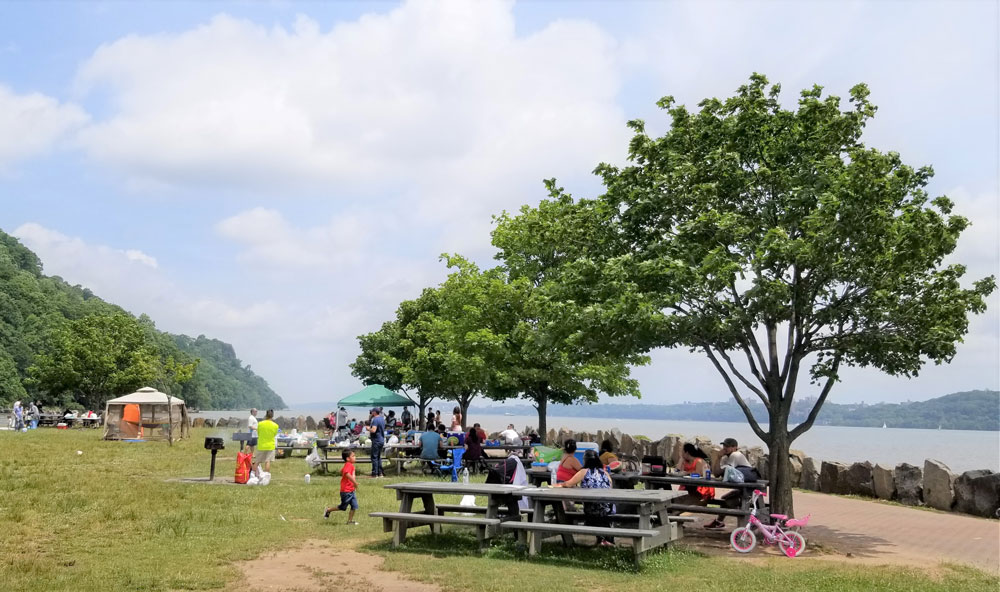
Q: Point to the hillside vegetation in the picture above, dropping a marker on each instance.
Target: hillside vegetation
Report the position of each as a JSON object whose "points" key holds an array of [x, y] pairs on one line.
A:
{"points": [[63, 345], [971, 410]]}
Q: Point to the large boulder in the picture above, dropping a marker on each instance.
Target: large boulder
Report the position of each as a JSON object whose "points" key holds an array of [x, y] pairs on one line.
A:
{"points": [[300, 423], [627, 446], [978, 492], [797, 454], [617, 433], [675, 456], [198, 422], [552, 437], [939, 485], [832, 477], [564, 434], [209, 423], [796, 467], [809, 478], [909, 484], [763, 466], [310, 423], [222, 422], [858, 479], [883, 482], [753, 454], [665, 447]]}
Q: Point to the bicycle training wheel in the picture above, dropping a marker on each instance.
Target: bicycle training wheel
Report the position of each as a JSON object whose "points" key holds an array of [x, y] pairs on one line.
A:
{"points": [[743, 540], [792, 544]]}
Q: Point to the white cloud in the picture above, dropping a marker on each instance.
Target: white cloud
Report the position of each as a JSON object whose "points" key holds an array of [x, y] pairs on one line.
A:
{"points": [[32, 124], [271, 240], [431, 95]]}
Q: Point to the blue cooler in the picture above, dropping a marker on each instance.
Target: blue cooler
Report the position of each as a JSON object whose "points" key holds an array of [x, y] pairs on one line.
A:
{"points": [[582, 447]]}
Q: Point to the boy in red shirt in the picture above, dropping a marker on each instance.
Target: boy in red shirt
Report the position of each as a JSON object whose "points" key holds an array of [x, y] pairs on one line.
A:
{"points": [[348, 486]]}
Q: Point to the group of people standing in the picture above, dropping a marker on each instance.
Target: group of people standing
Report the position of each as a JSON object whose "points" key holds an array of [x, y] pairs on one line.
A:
{"points": [[24, 418]]}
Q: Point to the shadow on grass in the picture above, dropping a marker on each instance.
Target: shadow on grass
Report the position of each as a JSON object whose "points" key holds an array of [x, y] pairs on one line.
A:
{"points": [[454, 544]]}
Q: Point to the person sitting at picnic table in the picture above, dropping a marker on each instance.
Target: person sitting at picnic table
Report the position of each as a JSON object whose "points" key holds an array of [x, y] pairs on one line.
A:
{"points": [[593, 475], [351, 424], [393, 438], [568, 465], [607, 453], [732, 457], [694, 464], [430, 444], [473, 448], [510, 436], [480, 432], [358, 428]]}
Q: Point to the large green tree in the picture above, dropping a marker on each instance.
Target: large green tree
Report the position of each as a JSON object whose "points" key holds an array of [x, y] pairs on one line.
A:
{"points": [[771, 240], [96, 358]]}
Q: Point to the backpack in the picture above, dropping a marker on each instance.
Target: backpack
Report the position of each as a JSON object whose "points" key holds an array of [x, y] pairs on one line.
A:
{"points": [[503, 473], [244, 460]]}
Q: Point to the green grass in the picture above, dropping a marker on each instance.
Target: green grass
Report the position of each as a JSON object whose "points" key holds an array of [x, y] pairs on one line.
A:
{"points": [[110, 520]]}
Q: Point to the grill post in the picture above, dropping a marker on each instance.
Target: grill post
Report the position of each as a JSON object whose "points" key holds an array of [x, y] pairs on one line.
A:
{"points": [[211, 475]]}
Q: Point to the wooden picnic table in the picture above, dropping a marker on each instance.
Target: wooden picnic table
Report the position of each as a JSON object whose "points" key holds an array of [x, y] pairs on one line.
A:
{"points": [[649, 504], [501, 505], [655, 482]]}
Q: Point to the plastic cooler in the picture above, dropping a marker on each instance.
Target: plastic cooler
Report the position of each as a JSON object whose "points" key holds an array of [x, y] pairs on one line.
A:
{"points": [[582, 447]]}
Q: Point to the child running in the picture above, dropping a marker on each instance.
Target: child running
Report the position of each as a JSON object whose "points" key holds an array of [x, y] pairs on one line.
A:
{"points": [[348, 486]]}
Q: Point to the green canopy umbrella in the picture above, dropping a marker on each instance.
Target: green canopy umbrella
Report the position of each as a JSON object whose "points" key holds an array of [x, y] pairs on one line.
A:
{"points": [[375, 395]]}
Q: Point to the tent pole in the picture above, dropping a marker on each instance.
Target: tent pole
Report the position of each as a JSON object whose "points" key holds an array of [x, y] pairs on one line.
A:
{"points": [[170, 421]]}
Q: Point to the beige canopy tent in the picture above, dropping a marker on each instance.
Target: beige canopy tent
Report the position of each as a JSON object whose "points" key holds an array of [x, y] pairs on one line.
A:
{"points": [[145, 415]]}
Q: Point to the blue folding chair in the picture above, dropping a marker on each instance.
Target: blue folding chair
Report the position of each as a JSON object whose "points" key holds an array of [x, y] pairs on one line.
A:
{"points": [[456, 464]]}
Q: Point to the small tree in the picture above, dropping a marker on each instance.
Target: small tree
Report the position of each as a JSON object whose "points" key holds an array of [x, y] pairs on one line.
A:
{"points": [[771, 241]]}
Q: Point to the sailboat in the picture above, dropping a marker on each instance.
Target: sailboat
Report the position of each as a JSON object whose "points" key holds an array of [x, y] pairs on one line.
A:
{"points": [[883, 425]]}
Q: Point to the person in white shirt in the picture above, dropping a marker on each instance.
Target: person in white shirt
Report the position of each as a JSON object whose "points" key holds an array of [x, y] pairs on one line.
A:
{"points": [[252, 426], [510, 436], [393, 439], [731, 457]]}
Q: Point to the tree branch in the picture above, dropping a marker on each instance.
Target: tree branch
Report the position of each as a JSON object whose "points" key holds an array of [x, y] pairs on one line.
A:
{"points": [[814, 412], [739, 400], [748, 332], [760, 394]]}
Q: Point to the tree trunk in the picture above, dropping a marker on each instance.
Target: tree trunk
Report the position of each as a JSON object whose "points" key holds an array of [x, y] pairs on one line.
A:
{"points": [[170, 421], [779, 471], [421, 415], [464, 401], [541, 404]]}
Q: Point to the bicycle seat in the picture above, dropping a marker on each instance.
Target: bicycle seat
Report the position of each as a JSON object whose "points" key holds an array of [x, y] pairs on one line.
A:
{"points": [[798, 521], [779, 516]]}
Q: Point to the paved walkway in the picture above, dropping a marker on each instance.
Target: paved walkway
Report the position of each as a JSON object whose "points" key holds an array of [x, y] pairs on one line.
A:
{"points": [[895, 534]]}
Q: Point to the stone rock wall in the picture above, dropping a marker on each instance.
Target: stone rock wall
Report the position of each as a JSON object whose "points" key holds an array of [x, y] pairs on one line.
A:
{"points": [[809, 478], [858, 479], [884, 482], [978, 492], [832, 477]]}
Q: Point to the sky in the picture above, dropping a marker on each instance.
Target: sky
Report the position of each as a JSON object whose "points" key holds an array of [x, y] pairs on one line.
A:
{"points": [[280, 175]]}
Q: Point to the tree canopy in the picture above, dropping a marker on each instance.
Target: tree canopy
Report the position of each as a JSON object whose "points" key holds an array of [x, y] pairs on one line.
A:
{"points": [[771, 240]]}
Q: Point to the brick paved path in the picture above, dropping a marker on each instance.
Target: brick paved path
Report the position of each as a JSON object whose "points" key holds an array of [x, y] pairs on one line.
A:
{"points": [[896, 534]]}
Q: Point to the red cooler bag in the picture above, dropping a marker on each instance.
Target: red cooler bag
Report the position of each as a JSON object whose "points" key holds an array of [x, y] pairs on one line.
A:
{"points": [[244, 463]]}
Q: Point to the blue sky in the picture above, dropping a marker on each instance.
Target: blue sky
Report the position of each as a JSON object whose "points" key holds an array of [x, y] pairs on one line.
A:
{"points": [[281, 174]]}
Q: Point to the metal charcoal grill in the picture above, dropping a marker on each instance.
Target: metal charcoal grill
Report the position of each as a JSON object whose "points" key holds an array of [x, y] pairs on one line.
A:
{"points": [[215, 445]]}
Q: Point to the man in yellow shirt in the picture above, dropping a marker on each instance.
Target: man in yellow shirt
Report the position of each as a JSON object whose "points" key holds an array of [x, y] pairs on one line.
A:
{"points": [[267, 434]]}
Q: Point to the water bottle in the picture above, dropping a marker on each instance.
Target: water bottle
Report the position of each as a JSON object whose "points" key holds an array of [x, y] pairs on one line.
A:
{"points": [[465, 475], [708, 473]]}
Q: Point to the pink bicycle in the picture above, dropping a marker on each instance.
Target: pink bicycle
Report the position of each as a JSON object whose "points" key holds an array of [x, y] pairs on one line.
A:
{"points": [[790, 541]]}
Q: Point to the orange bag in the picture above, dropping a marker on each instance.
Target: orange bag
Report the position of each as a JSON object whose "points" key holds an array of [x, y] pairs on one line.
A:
{"points": [[244, 463]]}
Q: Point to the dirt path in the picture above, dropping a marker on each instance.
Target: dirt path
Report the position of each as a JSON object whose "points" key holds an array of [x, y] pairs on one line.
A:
{"points": [[318, 566]]}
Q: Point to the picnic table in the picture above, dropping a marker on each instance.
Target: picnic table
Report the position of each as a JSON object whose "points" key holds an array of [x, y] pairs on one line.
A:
{"points": [[501, 506], [666, 482], [654, 526]]}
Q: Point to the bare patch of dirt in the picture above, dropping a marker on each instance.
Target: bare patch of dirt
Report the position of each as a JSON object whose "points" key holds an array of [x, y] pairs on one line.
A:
{"points": [[318, 566]]}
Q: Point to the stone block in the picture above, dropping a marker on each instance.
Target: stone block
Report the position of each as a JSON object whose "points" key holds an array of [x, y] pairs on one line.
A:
{"points": [[300, 423], [978, 493], [909, 484], [858, 479], [939, 485], [832, 477], [884, 482], [209, 423], [627, 445], [310, 423], [796, 468], [763, 466], [753, 455], [198, 422], [809, 478], [552, 437], [222, 422]]}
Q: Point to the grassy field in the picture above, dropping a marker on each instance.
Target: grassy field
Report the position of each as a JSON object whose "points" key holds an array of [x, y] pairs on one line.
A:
{"points": [[109, 519]]}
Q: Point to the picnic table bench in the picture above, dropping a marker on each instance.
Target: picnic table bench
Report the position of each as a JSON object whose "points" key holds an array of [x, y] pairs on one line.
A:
{"points": [[647, 534], [498, 496], [666, 482]]}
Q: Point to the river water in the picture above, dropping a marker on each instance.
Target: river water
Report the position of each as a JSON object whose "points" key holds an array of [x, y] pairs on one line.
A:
{"points": [[961, 450]]}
